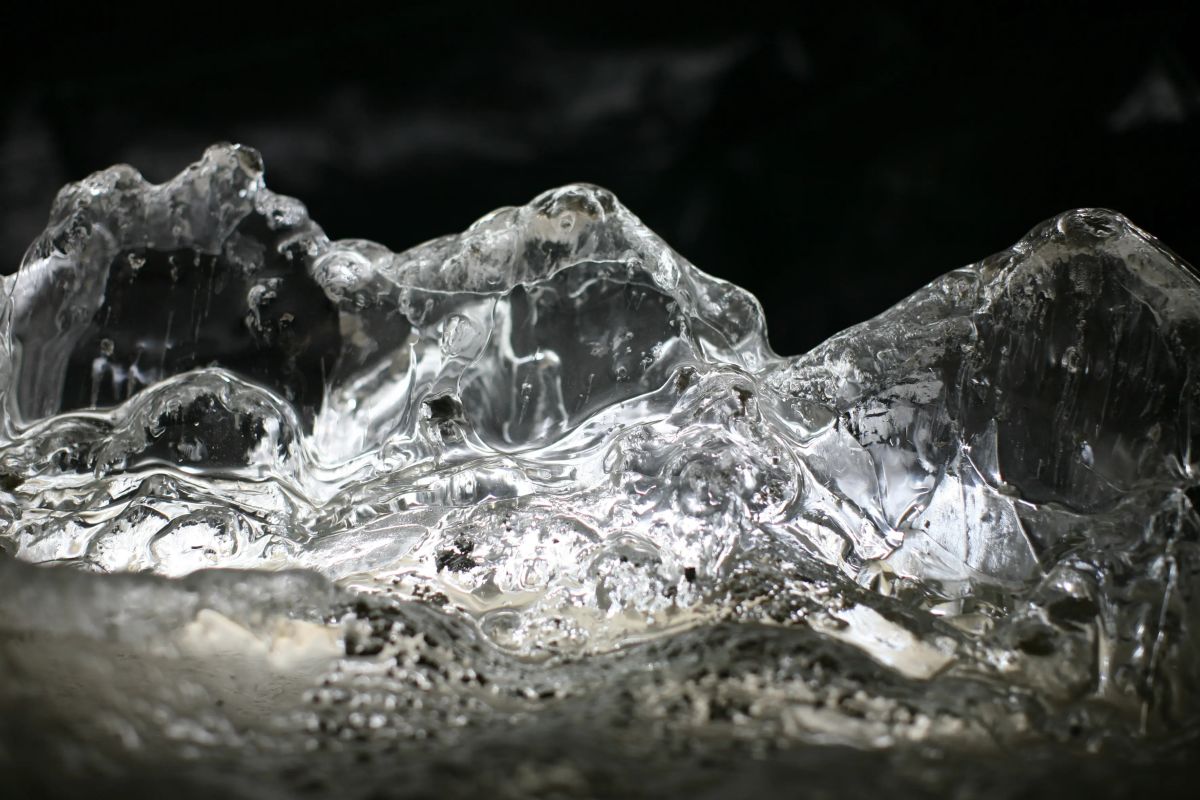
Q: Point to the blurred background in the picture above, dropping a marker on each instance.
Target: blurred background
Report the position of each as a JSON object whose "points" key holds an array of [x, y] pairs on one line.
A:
{"points": [[830, 162]]}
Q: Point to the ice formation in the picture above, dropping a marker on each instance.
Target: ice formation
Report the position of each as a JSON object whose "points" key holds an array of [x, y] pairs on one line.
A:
{"points": [[293, 495]]}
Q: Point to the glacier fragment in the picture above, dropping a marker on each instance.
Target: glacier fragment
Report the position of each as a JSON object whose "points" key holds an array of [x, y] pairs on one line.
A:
{"points": [[431, 495]]}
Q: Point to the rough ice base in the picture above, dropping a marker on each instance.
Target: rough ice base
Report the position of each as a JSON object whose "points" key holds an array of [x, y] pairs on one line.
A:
{"points": [[531, 460]]}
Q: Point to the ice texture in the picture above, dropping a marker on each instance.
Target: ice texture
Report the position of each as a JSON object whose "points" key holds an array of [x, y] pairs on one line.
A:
{"points": [[292, 496]]}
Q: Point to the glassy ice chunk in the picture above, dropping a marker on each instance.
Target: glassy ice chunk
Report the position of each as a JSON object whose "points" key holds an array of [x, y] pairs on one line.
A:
{"points": [[552, 439], [1054, 374]]}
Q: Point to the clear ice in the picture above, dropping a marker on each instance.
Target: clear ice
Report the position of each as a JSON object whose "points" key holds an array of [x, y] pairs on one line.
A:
{"points": [[300, 504]]}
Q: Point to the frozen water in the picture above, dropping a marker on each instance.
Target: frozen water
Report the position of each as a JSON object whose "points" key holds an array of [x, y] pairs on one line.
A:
{"points": [[546, 473]]}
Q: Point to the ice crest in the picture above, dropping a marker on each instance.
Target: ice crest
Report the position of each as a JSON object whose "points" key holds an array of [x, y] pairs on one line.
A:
{"points": [[556, 437]]}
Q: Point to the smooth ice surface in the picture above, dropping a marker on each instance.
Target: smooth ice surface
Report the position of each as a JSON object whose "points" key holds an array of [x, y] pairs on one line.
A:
{"points": [[547, 473]]}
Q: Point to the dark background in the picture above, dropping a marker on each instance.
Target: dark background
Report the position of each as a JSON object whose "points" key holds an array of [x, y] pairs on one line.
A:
{"points": [[831, 162]]}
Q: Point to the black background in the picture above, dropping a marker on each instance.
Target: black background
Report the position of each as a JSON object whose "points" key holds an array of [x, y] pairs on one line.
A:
{"points": [[829, 161]]}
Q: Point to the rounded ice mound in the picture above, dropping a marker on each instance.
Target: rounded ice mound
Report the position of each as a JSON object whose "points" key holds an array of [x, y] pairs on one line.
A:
{"points": [[557, 431]]}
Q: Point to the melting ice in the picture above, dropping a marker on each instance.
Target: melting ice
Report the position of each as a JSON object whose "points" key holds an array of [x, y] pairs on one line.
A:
{"points": [[299, 503]]}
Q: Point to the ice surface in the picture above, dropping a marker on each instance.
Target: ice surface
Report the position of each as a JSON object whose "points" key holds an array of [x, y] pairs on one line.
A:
{"points": [[302, 495]]}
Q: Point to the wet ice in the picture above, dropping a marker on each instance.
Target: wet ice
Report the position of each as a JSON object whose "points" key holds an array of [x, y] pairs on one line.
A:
{"points": [[555, 437]]}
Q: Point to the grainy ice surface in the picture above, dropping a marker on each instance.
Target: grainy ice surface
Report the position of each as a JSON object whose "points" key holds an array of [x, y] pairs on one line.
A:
{"points": [[535, 511]]}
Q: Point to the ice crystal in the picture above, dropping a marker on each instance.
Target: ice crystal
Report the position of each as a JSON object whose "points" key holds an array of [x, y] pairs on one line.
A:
{"points": [[302, 494]]}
